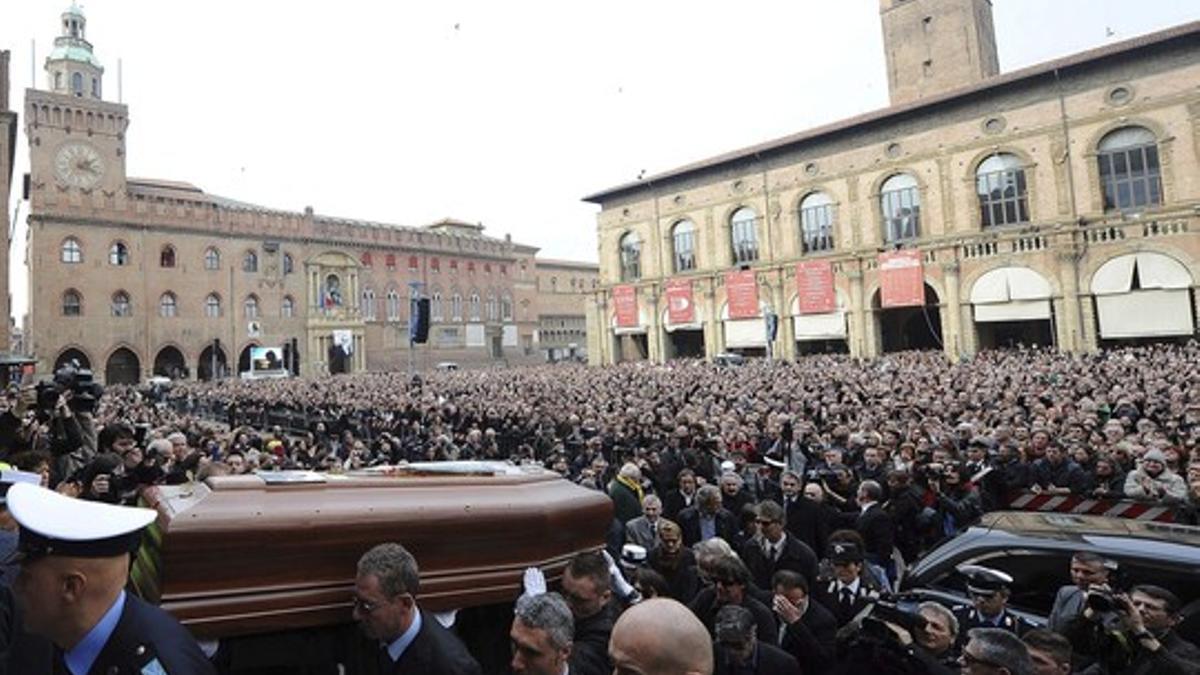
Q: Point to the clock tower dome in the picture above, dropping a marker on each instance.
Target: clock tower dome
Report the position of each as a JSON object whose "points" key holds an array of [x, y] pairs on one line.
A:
{"points": [[76, 138]]}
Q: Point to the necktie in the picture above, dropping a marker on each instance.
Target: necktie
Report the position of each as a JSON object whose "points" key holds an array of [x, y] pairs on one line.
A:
{"points": [[847, 599], [384, 660]]}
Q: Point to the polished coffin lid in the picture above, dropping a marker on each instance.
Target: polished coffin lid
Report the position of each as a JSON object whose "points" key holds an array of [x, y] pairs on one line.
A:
{"points": [[276, 551]]}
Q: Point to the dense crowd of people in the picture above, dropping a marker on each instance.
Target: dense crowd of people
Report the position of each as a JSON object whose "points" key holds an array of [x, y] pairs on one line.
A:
{"points": [[795, 492]]}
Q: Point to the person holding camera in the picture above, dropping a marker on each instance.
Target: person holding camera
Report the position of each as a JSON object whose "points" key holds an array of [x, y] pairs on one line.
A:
{"points": [[1087, 569], [1133, 633]]}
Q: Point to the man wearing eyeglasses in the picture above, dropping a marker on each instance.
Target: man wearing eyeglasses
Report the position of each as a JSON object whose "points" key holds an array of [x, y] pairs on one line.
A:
{"points": [[995, 651], [776, 549], [385, 607], [989, 590]]}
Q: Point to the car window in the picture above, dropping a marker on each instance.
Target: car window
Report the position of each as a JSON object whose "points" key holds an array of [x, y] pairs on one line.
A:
{"points": [[1037, 576]]}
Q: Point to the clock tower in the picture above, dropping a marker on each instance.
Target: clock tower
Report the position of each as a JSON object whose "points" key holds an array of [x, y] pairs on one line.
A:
{"points": [[76, 138]]}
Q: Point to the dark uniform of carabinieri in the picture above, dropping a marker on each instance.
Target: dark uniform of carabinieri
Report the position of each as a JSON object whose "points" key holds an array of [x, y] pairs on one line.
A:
{"points": [[74, 558], [989, 589]]}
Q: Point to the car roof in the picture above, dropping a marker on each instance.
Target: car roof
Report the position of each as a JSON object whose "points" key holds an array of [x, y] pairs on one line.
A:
{"points": [[1116, 537]]}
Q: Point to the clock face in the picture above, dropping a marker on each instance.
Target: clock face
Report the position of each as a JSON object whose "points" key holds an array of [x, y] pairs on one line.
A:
{"points": [[79, 165]]}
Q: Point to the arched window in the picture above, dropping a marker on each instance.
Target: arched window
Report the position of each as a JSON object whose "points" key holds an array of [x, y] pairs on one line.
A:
{"points": [[72, 303], [506, 313], [1129, 171], [250, 262], [288, 265], [366, 259], [435, 306], [493, 310], [1000, 183], [71, 251], [212, 306], [816, 223], [77, 84], [118, 254], [166, 257], [212, 259], [900, 203], [683, 240], [744, 235], [456, 307], [368, 304], [393, 305], [631, 257], [121, 306], [250, 307], [168, 306], [473, 307], [287, 308]]}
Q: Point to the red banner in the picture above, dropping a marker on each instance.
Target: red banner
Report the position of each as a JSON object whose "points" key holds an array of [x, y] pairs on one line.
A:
{"points": [[814, 287], [741, 291], [681, 308], [901, 279], [625, 303]]}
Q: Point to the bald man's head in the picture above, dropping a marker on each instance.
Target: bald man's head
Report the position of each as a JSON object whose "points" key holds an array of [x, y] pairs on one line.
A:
{"points": [[660, 637]]}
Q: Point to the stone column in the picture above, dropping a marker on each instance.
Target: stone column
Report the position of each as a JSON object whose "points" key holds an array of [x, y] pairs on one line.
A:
{"points": [[857, 339], [1076, 337], [714, 338], [952, 335], [787, 327], [654, 332]]}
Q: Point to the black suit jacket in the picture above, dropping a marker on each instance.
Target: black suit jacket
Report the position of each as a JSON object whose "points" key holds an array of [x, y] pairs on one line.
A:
{"points": [[807, 522], [812, 639], [689, 522], [674, 503], [705, 607], [771, 661], [796, 556], [878, 532], [826, 594], [435, 651], [146, 634]]}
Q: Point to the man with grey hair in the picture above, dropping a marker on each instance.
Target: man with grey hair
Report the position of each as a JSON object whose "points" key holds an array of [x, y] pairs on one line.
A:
{"points": [[626, 493], [995, 650], [935, 639], [385, 607], [542, 632], [707, 518], [738, 649], [643, 530]]}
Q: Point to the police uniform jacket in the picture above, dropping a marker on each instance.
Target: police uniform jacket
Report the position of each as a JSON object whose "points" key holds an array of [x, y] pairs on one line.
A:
{"points": [[969, 617], [148, 641], [828, 594]]}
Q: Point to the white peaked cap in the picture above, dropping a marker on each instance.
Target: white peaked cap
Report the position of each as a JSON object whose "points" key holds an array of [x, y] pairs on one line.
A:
{"points": [[54, 524]]}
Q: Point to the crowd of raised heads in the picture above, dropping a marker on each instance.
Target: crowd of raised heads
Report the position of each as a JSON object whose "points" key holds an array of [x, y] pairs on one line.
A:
{"points": [[1113, 424]]}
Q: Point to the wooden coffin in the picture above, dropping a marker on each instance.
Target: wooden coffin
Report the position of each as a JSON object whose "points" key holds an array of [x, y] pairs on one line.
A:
{"points": [[241, 555]]}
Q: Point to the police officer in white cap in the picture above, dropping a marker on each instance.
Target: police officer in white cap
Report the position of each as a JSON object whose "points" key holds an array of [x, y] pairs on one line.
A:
{"points": [[989, 590], [74, 558]]}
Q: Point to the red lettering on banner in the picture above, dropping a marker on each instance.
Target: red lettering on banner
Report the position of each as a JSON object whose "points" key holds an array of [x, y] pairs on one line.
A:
{"points": [[814, 287], [625, 303], [741, 291], [901, 279], [681, 308]]}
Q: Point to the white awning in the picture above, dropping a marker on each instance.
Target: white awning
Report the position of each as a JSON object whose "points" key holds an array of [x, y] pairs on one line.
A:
{"points": [[745, 333], [831, 326], [1154, 271], [1017, 310], [1008, 284], [1153, 313]]}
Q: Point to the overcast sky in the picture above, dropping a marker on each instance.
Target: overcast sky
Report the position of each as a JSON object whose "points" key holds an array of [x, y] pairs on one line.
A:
{"points": [[501, 112]]}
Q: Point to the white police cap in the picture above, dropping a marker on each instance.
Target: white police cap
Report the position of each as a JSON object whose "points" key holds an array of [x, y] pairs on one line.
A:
{"points": [[54, 524]]}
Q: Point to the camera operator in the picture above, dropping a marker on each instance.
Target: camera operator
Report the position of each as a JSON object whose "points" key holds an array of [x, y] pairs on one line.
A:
{"points": [[1087, 569], [956, 500], [1133, 633]]}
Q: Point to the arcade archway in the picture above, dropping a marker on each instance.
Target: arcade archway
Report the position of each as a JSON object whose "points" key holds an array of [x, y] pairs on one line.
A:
{"points": [[169, 362], [72, 355], [907, 328], [123, 367], [211, 364]]}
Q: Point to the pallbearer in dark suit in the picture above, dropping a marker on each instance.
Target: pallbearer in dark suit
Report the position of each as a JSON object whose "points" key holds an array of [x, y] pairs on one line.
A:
{"points": [[385, 606], [74, 558]]}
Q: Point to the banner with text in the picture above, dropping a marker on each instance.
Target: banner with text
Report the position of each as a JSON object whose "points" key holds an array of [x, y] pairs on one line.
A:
{"points": [[681, 307], [901, 279], [625, 304], [814, 287], [741, 291]]}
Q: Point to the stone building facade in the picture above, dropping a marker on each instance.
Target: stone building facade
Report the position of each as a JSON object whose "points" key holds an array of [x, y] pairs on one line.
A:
{"points": [[564, 287], [8, 143], [1054, 205], [136, 277]]}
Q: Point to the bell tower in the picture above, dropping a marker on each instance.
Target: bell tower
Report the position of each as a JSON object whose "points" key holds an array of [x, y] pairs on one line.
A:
{"points": [[933, 46], [76, 138]]}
